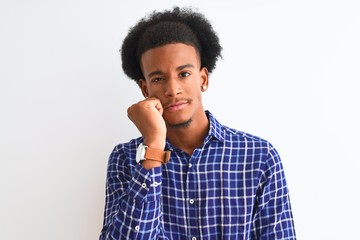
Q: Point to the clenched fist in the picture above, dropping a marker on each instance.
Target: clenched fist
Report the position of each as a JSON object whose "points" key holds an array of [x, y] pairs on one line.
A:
{"points": [[147, 117]]}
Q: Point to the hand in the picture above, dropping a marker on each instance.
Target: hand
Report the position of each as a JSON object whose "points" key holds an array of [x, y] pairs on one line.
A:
{"points": [[147, 117]]}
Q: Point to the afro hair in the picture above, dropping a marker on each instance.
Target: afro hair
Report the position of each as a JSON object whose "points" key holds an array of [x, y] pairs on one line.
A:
{"points": [[181, 25]]}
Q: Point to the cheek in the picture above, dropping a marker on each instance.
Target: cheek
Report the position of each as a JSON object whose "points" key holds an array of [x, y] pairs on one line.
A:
{"points": [[154, 91], [196, 93]]}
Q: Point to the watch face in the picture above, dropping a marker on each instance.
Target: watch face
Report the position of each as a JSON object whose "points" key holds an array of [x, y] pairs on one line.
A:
{"points": [[140, 153]]}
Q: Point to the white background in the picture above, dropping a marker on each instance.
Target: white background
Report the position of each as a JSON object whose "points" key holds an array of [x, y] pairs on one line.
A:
{"points": [[289, 74]]}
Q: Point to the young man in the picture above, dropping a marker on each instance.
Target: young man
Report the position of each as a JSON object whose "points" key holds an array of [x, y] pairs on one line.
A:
{"points": [[188, 176]]}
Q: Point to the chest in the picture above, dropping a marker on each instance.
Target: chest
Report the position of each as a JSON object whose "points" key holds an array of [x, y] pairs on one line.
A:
{"points": [[212, 173]]}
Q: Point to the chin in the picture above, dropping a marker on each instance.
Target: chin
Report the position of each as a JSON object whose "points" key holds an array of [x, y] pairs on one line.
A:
{"points": [[180, 124]]}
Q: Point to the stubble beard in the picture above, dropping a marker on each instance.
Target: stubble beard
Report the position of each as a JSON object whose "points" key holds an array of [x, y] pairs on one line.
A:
{"points": [[185, 124]]}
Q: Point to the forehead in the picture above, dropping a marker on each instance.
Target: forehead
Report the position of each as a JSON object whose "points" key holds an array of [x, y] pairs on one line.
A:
{"points": [[168, 56]]}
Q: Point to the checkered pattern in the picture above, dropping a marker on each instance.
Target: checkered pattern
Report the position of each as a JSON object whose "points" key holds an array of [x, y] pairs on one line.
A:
{"points": [[232, 187]]}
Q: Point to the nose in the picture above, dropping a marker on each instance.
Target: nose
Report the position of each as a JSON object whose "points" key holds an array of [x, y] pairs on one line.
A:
{"points": [[172, 87]]}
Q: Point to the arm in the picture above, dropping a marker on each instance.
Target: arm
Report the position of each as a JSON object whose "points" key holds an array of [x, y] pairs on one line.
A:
{"points": [[273, 217], [132, 205]]}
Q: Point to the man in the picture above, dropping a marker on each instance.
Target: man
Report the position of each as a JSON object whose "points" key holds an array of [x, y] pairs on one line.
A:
{"points": [[188, 176]]}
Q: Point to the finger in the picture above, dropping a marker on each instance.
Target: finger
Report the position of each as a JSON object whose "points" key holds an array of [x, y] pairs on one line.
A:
{"points": [[157, 104]]}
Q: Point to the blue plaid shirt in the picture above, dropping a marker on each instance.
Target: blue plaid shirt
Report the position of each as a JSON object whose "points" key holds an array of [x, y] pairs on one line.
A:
{"points": [[231, 187]]}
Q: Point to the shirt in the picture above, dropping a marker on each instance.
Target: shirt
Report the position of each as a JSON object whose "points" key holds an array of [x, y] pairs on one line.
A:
{"points": [[232, 187]]}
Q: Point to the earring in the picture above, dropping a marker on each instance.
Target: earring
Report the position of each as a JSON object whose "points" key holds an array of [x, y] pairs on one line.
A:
{"points": [[203, 87]]}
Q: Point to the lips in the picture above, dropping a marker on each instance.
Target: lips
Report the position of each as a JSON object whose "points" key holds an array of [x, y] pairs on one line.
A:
{"points": [[172, 107]]}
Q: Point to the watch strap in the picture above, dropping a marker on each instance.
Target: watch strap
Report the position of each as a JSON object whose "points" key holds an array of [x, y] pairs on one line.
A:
{"points": [[157, 155]]}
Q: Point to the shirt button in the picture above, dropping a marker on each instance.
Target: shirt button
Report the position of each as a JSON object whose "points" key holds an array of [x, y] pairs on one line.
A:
{"points": [[192, 202], [156, 184], [190, 165], [143, 185], [193, 238], [137, 228]]}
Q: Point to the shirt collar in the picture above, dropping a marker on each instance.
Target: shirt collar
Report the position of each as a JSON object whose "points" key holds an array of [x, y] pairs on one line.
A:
{"points": [[216, 128]]}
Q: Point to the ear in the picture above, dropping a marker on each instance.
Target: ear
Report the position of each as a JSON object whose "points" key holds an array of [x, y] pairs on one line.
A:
{"points": [[204, 82], [143, 87]]}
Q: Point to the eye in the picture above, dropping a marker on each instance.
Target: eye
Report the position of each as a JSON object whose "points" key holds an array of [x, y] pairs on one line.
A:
{"points": [[154, 80], [184, 74]]}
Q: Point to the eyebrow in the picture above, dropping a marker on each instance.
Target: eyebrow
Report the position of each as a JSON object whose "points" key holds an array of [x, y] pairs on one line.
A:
{"points": [[177, 69], [184, 66]]}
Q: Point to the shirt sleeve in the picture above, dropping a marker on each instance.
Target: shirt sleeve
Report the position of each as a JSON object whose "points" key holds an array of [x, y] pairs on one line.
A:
{"points": [[132, 203], [273, 217]]}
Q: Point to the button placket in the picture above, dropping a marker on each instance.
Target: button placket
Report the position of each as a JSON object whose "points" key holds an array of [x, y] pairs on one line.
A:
{"points": [[192, 193]]}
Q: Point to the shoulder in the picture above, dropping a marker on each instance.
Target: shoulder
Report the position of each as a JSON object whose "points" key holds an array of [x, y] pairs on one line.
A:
{"points": [[236, 139], [247, 142], [124, 153], [256, 149], [127, 147], [233, 135]]}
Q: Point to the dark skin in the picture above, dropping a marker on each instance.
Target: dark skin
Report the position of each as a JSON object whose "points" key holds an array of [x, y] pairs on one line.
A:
{"points": [[173, 108]]}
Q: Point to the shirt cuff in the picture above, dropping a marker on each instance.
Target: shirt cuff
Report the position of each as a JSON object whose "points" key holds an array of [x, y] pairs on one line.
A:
{"points": [[146, 184]]}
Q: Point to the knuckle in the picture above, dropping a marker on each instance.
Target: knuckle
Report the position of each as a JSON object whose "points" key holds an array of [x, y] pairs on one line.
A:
{"points": [[129, 110]]}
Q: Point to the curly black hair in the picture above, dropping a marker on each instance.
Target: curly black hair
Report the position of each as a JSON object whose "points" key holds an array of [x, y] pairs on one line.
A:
{"points": [[181, 25]]}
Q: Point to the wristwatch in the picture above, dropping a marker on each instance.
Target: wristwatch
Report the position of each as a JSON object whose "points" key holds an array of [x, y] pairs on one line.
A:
{"points": [[144, 152]]}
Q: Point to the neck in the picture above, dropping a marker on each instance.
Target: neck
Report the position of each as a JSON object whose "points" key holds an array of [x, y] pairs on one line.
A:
{"points": [[189, 136]]}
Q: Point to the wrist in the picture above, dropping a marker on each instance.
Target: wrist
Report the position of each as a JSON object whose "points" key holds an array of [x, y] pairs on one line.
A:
{"points": [[157, 144], [153, 157], [148, 164]]}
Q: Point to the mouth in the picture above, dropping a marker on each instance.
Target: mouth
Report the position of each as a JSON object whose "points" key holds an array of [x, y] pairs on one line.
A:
{"points": [[173, 107]]}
